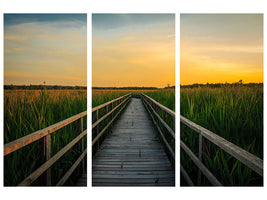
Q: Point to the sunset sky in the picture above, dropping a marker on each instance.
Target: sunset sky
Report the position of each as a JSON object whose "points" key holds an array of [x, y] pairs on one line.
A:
{"points": [[221, 47], [45, 47], [133, 50]]}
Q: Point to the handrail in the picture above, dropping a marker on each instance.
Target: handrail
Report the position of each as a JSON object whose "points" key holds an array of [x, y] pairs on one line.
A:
{"points": [[46, 135], [248, 159], [28, 139], [151, 106], [108, 103], [120, 102], [172, 113]]}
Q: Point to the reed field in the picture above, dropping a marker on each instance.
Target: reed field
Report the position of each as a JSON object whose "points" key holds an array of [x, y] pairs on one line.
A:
{"points": [[102, 96], [26, 111], [234, 113], [165, 97]]}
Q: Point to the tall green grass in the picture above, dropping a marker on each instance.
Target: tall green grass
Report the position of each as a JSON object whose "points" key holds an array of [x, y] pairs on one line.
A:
{"points": [[102, 96], [165, 97], [234, 113], [26, 111]]}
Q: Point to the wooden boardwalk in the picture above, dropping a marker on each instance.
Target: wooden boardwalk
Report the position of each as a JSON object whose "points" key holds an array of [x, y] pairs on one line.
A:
{"points": [[131, 154]]}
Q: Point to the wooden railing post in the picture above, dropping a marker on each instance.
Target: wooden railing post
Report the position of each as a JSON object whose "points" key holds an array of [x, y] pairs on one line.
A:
{"points": [[80, 130], [112, 114], [47, 151], [107, 120], [164, 116], [97, 127], [200, 140]]}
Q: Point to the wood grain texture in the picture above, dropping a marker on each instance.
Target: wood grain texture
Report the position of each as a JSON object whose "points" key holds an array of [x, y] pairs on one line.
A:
{"points": [[131, 154]]}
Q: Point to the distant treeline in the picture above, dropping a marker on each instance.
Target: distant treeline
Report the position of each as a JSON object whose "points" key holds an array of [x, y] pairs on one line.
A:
{"points": [[131, 88], [38, 87], [218, 85]]}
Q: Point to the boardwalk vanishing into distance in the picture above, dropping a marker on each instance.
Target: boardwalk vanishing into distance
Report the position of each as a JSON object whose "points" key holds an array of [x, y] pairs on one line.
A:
{"points": [[131, 154]]}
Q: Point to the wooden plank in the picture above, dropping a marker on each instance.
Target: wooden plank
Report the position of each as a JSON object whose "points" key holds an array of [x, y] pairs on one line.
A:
{"points": [[73, 167], [159, 184], [167, 172], [132, 176], [80, 130], [200, 140], [107, 159], [200, 165], [28, 139], [128, 168], [129, 163], [248, 159], [47, 157], [151, 180], [32, 177]]}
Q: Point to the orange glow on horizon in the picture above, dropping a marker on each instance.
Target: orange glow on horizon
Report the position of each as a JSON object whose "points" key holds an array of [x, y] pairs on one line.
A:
{"points": [[219, 48], [137, 54]]}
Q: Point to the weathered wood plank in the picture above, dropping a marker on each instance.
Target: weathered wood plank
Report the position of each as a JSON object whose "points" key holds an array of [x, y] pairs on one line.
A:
{"points": [[47, 143]]}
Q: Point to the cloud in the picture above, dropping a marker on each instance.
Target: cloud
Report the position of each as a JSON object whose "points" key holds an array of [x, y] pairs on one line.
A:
{"points": [[38, 48], [60, 19]]}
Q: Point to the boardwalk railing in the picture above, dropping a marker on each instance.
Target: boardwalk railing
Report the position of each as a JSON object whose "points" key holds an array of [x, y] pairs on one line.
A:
{"points": [[104, 115], [45, 135], [164, 120], [248, 159]]}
